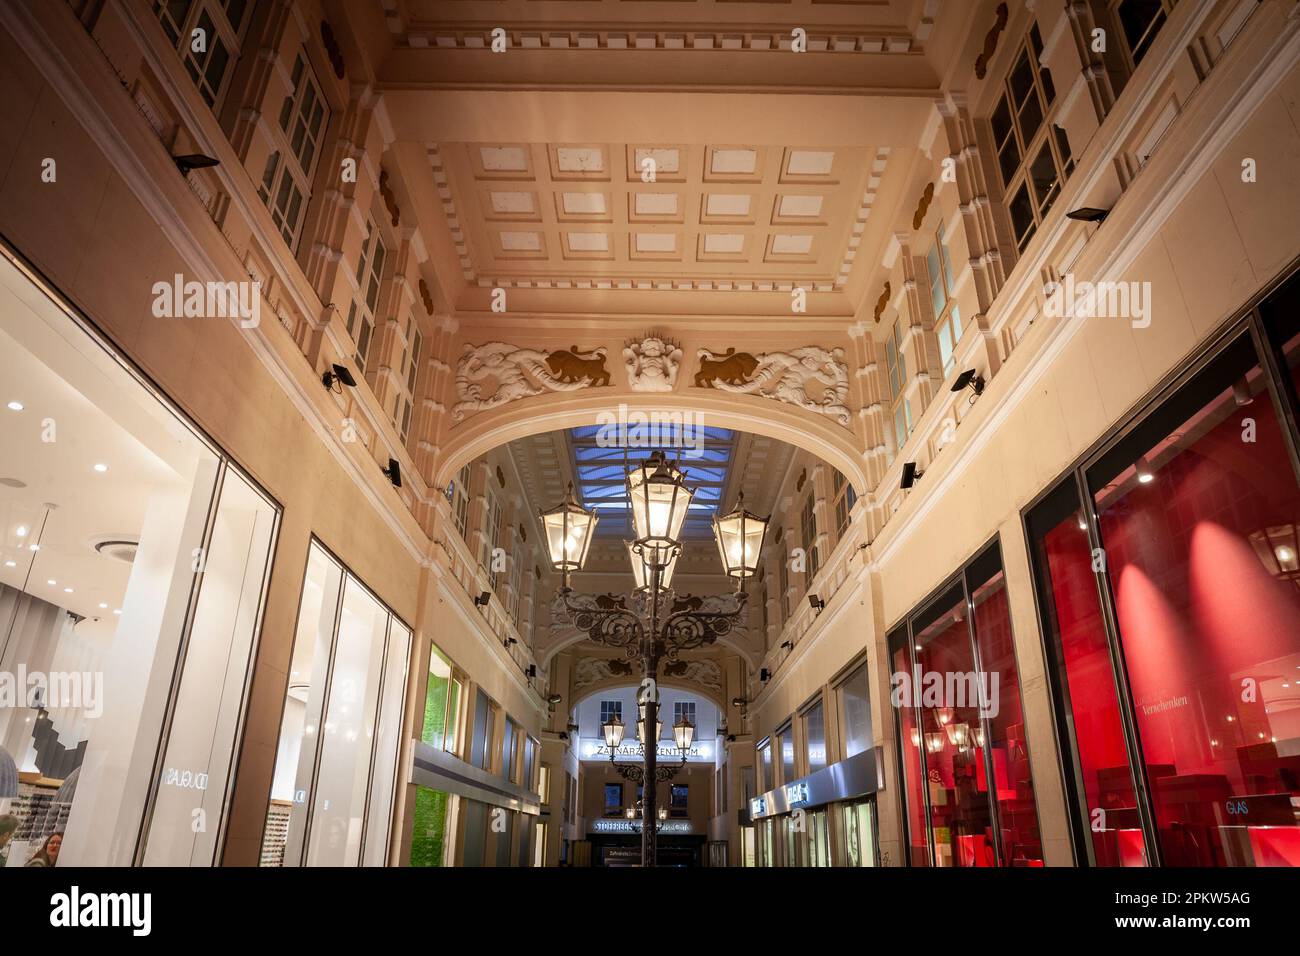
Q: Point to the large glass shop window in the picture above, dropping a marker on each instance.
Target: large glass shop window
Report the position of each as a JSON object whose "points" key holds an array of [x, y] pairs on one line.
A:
{"points": [[1195, 511], [133, 567], [956, 691], [336, 763]]}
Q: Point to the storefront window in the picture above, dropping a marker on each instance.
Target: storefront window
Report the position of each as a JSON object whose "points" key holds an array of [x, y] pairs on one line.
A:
{"points": [[814, 734], [133, 568], [1198, 510], [429, 834], [912, 757], [766, 781], [1013, 788], [956, 689], [1085, 679], [858, 821], [785, 740], [336, 764], [819, 838], [441, 704], [960, 821], [855, 710]]}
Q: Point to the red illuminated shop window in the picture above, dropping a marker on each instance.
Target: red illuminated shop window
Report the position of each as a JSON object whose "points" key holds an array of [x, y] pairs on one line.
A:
{"points": [[1171, 609], [956, 690]]}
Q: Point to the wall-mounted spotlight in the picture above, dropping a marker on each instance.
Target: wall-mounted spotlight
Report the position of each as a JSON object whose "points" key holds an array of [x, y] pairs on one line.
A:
{"points": [[764, 675], [482, 599], [910, 474], [554, 699], [1087, 214], [337, 377], [563, 735], [510, 641], [394, 472], [531, 672], [787, 645], [194, 161], [969, 379], [817, 603], [731, 738], [738, 702]]}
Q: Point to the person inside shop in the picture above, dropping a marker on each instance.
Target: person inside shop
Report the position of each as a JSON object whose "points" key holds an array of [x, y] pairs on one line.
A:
{"points": [[48, 854]]}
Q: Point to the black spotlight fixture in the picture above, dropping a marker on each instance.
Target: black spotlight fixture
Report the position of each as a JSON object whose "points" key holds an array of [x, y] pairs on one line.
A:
{"points": [[563, 735], [337, 377], [482, 599], [394, 472], [531, 672], [817, 603], [510, 641], [738, 702], [764, 675], [1087, 214], [731, 738], [787, 645], [910, 474], [969, 379], [554, 699], [194, 161]]}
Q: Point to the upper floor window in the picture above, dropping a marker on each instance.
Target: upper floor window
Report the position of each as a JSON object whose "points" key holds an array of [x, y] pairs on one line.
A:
{"points": [[491, 535], [765, 779], [610, 709], [679, 800], [785, 587], [814, 735], [684, 709], [286, 182], [459, 495], [1033, 152], [947, 317], [613, 800], [206, 33], [1139, 22], [808, 528], [361, 313], [896, 369], [845, 498]]}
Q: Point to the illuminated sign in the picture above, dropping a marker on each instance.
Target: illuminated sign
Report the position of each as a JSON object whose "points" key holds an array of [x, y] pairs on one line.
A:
{"points": [[797, 793], [627, 826], [593, 748]]}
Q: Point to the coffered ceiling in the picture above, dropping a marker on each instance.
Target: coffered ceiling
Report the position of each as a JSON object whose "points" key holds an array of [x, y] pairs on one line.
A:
{"points": [[657, 216], [634, 157]]}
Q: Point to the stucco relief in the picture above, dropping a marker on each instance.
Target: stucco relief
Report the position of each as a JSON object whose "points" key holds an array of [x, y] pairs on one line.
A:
{"points": [[517, 373], [705, 673], [652, 364], [593, 670], [783, 376]]}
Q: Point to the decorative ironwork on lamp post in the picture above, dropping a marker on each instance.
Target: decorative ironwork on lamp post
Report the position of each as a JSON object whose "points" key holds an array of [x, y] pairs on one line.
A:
{"points": [[651, 625]]}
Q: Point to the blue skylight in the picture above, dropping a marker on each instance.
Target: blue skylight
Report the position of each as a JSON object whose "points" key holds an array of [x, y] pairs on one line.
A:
{"points": [[604, 454]]}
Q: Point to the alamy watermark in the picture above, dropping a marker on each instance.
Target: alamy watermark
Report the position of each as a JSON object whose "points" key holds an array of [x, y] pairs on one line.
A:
{"points": [[1102, 300], [41, 690], [203, 300], [946, 689], [657, 428]]}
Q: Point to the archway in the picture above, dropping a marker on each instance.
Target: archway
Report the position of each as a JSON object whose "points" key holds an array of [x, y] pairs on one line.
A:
{"points": [[814, 433]]}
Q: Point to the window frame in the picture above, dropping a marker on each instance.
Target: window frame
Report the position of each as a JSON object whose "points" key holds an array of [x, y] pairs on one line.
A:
{"points": [[230, 34], [1047, 136], [947, 315]]}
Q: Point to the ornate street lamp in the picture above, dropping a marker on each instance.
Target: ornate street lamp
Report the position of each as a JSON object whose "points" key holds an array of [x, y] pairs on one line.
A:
{"points": [[569, 530], [642, 574], [740, 541], [648, 625]]}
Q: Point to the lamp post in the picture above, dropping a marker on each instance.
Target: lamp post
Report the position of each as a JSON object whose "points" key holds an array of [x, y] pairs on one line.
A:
{"points": [[649, 625]]}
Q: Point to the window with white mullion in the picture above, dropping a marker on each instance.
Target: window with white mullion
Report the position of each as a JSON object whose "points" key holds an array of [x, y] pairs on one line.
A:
{"points": [[947, 317], [286, 181], [361, 312], [1033, 153], [1138, 22], [896, 373], [206, 35]]}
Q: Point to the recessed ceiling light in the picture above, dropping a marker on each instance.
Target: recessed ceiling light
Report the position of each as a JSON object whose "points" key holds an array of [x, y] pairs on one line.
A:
{"points": [[117, 610], [15, 406], [21, 531], [33, 547], [103, 606], [11, 564], [101, 467], [67, 590], [51, 582]]}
